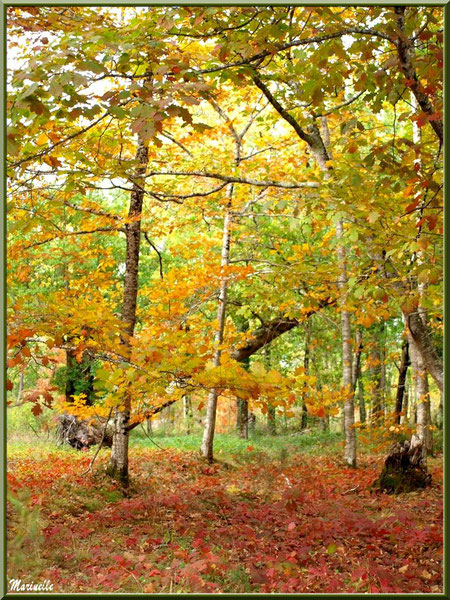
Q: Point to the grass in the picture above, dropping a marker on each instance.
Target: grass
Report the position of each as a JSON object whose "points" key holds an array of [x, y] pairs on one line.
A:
{"points": [[229, 445]]}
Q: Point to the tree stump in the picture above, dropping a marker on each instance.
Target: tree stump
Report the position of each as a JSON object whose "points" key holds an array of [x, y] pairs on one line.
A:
{"points": [[404, 469], [82, 434]]}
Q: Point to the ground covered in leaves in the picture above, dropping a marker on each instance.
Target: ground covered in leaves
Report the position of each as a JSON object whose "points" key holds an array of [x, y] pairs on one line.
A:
{"points": [[297, 524]]}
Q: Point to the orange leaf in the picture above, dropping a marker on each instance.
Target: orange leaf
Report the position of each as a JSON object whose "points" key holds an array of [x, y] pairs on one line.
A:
{"points": [[320, 412], [36, 410], [432, 220], [352, 147]]}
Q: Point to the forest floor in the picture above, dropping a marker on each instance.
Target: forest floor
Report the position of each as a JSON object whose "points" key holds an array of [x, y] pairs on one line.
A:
{"points": [[254, 521]]}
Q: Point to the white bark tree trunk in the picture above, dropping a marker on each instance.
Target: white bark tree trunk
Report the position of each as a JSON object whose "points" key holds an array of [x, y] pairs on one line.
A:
{"points": [[422, 396], [210, 422], [118, 464], [347, 356]]}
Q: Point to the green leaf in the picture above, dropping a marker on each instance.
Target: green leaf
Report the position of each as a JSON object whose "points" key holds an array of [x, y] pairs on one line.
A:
{"points": [[332, 548], [117, 111]]}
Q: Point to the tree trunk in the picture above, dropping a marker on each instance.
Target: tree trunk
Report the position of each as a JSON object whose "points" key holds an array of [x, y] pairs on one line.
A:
{"points": [[210, 422], [356, 368], [187, 410], [82, 434], [404, 419], [377, 376], [242, 418], [118, 464], [304, 420], [422, 398], [440, 413], [361, 401], [349, 410], [401, 386], [356, 375], [422, 339], [405, 53], [271, 410], [404, 469], [242, 414], [251, 423], [271, 420]]}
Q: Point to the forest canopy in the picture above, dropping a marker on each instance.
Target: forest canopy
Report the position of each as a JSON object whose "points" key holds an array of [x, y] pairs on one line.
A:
{"points": [[201, 197]]}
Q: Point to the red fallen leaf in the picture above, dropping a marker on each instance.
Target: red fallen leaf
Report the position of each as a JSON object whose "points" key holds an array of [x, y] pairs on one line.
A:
{"points": [[359, 573], [250, 448], [258, 576], [9, 385]]}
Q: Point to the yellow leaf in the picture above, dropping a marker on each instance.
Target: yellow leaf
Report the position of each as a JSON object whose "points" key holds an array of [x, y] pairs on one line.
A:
{"points": [[42, 139]]}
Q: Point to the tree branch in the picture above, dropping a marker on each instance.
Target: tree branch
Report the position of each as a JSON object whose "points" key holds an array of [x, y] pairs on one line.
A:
{"points": [[232, 179], [405, 51]]}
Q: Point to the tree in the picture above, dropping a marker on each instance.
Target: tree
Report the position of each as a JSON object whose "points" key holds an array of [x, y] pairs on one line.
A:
{"points": [[332, 202]]}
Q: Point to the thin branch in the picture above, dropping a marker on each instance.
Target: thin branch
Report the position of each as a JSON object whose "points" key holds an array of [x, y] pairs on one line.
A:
{"points": [[70, 233], [92, 211], [56, 144], [313, 40], [91, 464], [232, 179], [149, 241], [339, 106], [160, 195], [179, 144]]}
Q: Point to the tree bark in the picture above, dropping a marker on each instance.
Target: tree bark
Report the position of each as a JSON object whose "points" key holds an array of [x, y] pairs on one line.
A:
{"points": [[270, 331], [361, 401], [118, 464], [404, 469], [251, 423], [356, 367], [422, 398], [440, 413], [271, 410], [401, 385], [187, 409], [346, 332], [271, 420], [304, 419], [405, 53], [242, 418], [376, 359], [421, 337]]}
